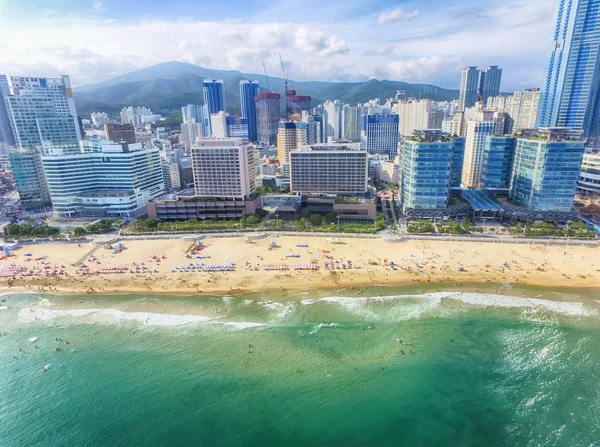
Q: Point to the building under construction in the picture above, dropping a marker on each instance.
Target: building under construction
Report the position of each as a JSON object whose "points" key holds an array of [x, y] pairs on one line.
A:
{"points": [[267, 117], [296, 104]]}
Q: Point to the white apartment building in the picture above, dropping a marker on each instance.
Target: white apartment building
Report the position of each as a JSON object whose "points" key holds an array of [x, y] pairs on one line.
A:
{"points": [[483, 126], [99, 119], [218, 124], [170, 170], [522, 108], [223, 168], [453, 125], [118, 181], [189, 132], [332, 111], [330, 169], [56, 90]]}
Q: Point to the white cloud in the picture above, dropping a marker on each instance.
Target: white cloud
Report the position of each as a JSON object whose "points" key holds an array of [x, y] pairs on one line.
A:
{"points": [[514, 35], [397, 15], [416, 70], [97, 6], [311, 41]]}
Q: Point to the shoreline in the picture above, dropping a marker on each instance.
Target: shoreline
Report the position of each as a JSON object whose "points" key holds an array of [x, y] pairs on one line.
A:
{"points": [[416, 262]]}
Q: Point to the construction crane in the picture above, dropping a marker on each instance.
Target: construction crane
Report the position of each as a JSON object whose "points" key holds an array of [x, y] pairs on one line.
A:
{"points": [[288, 93], [285, 79], [267, 77]]}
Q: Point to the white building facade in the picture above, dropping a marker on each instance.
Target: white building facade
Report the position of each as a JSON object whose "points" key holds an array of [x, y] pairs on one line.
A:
{"points": [[116, 182], [223, 168]]}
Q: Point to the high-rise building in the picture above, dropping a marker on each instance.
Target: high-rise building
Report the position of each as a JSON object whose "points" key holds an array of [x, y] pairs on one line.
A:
{"points": [[170, 171], [120, 133], [56, 90], [237, 128], [299, 104], [469, 83], [352, 120], [58, 135], [99, 119], [454, 125], [30, 179], [267, 117], [380, 135], [458, 158], [118, 181], [319, 118], [287, 140], [6, 133], [332, 111], [489, 82], [426, 171], [218, 124], [546, 169], [418, 115], [36, 125], [314, 130], [223, 168], [496, 170], [329, 169], [192, 113], [570, 96], [521, 107], [189, 132], [248, 91], [485, 124], [214, 100]]}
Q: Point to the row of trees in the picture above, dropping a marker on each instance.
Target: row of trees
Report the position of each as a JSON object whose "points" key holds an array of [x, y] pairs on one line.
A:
{"points": [[25, 230]]}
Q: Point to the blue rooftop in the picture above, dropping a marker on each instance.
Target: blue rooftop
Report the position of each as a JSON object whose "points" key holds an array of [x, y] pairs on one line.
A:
{"points": [[479, 201]]}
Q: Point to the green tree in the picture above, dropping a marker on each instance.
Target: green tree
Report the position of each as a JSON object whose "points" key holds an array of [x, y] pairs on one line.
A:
{"points": [[252, 220], [316, 220], [305, 214], [331, 217], [78, 232]]}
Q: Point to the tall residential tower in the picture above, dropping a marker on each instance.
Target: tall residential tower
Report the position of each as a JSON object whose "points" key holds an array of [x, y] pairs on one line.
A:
{"points": [[570, 94], [248, 90]]}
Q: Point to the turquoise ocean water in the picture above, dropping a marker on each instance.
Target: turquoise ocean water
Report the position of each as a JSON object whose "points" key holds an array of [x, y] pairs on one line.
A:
{"points": [[470, 369]]}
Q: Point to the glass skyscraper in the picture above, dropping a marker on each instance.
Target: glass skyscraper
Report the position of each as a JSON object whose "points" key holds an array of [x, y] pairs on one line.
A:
{"points": [[498, 155], [546, 169], [248, 91], [426, 167], [458, 158], [570, 93], [380, 134], [214, 101], [6, 133]]}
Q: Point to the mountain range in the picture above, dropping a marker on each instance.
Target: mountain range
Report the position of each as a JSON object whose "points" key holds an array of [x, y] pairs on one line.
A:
{"points": [[166, 87]]}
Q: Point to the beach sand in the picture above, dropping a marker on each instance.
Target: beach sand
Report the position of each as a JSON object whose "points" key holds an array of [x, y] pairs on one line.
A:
{"points": [[433, 262]]}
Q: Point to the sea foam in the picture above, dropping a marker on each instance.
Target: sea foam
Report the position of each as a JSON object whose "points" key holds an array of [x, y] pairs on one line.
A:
{"points": [[111, 316], [566, 308]]}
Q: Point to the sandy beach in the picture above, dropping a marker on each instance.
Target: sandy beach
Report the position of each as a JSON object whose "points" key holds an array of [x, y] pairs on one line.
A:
{"points": [[358, 263]]}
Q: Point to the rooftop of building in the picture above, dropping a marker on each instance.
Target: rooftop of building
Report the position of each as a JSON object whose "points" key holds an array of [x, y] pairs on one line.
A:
{"points": [[551, 134], [209, 142], [330, 147]]}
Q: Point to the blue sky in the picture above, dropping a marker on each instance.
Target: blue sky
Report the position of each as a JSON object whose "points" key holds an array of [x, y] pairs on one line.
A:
{"points": [[426, 41]]}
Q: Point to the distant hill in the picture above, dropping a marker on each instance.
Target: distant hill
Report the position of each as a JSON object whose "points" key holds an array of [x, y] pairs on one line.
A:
{"points": [[166, 87]]}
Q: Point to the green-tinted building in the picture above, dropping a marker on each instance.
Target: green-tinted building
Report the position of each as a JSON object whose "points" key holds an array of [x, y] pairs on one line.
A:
{"points": [[546, 168], [30, 180], [426, 166], [496, 169]]}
